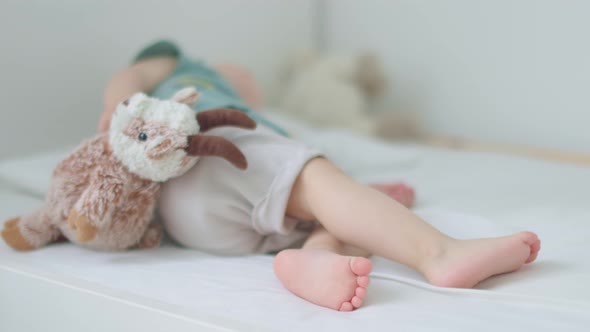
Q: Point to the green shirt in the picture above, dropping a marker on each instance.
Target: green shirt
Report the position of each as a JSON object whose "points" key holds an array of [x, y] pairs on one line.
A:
{"points": [[215, 91]]}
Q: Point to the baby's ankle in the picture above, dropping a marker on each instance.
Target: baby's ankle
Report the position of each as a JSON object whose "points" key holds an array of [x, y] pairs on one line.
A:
{"points": [[432, 254]]}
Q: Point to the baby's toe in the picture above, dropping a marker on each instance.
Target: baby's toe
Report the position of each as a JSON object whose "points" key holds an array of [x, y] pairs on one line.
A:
{"points": [[356, 301], [346, 306]]}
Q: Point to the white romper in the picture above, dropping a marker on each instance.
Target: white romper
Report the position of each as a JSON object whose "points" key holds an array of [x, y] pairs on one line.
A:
{"points": [[218, 208]]}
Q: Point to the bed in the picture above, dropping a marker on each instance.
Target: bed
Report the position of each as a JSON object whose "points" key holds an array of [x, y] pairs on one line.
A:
{"points": [[466, 194]]}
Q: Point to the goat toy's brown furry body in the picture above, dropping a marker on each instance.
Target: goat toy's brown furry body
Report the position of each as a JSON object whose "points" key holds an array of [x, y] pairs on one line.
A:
{"points": [[91, 184]]}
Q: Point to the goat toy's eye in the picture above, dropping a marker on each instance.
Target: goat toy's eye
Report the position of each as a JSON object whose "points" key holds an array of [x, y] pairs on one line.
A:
{"points": [[142, 137]]}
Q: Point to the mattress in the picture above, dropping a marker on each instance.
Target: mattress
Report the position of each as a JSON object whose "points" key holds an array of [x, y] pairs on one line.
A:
{"points": [[465, 194]]}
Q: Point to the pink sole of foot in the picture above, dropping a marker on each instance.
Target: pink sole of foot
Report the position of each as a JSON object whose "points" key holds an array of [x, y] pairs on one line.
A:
{"points": [[324, 278]]}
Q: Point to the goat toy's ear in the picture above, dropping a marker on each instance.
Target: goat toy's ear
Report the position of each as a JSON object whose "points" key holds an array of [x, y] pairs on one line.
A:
{"points": [[188, 96]]}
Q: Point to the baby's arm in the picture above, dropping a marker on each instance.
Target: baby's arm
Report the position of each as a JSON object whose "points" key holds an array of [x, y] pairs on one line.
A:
{"points": [[142, 76]]}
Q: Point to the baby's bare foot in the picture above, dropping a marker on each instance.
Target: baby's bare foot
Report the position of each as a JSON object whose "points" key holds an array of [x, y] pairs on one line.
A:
{"points": [[399, 191], [465, 263], [324, 278]]}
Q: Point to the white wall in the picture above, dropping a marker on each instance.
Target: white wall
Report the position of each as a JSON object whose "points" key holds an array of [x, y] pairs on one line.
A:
{"points": [[56, 56], [513, 71]]}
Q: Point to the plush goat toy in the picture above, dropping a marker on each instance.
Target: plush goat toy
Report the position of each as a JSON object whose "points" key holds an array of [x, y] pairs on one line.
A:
{"points": [[103, 195]]}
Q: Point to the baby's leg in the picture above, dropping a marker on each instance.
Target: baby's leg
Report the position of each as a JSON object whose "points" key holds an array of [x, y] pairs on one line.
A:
{"points": [[343, 285], [243, 82], [325, 272], [366, 218]]}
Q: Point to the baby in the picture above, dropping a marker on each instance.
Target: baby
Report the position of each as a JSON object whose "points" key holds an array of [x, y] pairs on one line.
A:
{"points": [[293, 201]]}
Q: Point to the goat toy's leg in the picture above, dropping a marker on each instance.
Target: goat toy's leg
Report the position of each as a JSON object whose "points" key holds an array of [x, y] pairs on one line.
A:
{"points": [[95, 207], [152, 237], [29, 232], [85, 230]]}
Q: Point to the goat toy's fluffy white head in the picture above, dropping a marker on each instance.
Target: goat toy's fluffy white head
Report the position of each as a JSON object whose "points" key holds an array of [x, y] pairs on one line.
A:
{"points": [[161, 139], [149, 136]]}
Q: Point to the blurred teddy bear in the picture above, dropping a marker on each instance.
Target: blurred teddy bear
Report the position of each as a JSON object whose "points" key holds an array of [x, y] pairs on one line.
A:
{"points": [[339, 91]]}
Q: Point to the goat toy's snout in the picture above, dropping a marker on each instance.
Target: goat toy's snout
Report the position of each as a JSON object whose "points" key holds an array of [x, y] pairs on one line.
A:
{"points": [[204, 145]]}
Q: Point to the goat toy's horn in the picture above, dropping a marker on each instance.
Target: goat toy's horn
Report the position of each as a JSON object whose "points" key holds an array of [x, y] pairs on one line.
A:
{"points": [[224, 117], [205, 145]]}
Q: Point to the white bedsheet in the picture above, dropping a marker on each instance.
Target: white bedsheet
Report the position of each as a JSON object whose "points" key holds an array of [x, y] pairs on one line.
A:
{"points": [[464, 194]]}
